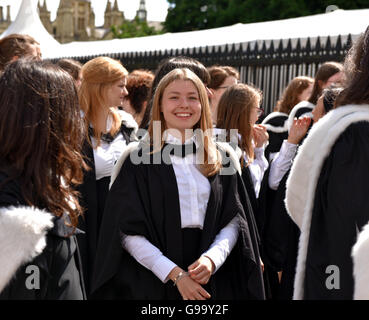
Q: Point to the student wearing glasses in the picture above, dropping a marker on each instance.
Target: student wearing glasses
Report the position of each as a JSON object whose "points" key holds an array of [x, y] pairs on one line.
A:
{"points": [[299, 89], [239, 109], [221, 77]]}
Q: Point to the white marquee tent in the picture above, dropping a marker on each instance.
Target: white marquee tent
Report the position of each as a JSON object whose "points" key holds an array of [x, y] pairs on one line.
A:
{"points": [[339, 22], [28, 22]]}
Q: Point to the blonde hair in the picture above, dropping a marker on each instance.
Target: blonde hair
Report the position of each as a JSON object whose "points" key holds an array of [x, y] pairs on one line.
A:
{"points": [[212, 163], [234, 112], [97, 76]]}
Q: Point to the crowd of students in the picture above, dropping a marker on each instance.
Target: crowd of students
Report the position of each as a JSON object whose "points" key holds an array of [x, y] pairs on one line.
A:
{"points": [[170, 185]]}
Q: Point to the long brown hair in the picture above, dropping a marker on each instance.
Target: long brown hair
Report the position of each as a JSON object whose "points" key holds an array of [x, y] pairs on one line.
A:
{"points": [[73, 67], [139, 85], [97, 76], [325, 71], [292, 92], [41, 135], [234, 111], [218, 74], [357, 73], [212, 162], [14, 45]]}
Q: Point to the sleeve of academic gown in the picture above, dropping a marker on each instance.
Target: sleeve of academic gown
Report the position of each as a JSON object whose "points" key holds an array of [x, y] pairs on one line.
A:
{"points": [[341, 209], [281, 163], [348, 183], [128, 194], [360, 254], [153, 259], [257, 169]]}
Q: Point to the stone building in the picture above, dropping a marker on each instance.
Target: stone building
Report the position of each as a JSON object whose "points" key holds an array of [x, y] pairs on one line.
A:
{"points": [[75, 20], [4, 21]]}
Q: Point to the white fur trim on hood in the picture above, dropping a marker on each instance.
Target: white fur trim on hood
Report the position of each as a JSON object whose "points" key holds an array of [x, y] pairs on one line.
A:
{"points": [[128, 120], [234, 155], [118, 165], [272, 128], [305, 171], [360, 255], [292, 115], [22, 238]]}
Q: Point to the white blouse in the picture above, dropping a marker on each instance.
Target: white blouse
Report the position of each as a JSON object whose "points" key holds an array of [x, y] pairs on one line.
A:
{"points": [[107, 154], [194, 191], [281, 163], [258, 168]]}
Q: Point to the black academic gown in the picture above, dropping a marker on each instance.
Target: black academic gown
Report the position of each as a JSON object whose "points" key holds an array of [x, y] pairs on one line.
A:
{"points": [[280, 235], [341, 209], [92, 198], [144, 200], [59, 264], [280, 240], [276, 124]]}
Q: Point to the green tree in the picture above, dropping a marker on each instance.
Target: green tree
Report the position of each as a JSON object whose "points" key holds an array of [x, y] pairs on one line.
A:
{"points": [[188, 15], [134, 29]]}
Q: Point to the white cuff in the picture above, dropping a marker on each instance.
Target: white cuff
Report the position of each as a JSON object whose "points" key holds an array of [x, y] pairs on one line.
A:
{"points": [[288, 150], [162, 267], [217, 256], [259, 152]]}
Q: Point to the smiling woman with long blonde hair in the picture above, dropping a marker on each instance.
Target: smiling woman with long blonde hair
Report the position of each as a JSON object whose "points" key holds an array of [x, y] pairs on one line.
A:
{"points": [[167, 222]]}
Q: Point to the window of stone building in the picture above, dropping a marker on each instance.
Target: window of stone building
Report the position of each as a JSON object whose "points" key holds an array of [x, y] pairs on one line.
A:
{"points": [[81, 23]]}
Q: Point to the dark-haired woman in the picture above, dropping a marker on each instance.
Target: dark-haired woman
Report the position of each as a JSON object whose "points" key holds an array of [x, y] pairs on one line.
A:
{"points": [[299, 89], [16, 46], [39, 162], [221, 78], [73, 67], [281, 233], [329, 73], [239, 109], [138, 85], [330, 204]]}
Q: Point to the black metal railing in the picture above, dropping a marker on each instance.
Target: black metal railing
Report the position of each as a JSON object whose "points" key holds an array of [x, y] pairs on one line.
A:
{"points": [[266, 64]]}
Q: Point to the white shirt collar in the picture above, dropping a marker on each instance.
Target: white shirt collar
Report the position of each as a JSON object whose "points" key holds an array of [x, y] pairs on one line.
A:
{"points": [[169, 138]]}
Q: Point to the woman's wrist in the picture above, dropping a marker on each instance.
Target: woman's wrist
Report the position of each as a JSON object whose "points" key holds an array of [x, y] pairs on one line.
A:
{"points": [[174, 273]]}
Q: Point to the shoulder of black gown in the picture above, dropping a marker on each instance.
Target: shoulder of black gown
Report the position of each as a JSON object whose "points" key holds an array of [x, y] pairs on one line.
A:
{"points": [[349, 177], [336, 153], [127, 120], [125, 182], [329, 131], [360, 254], [23, 230]]}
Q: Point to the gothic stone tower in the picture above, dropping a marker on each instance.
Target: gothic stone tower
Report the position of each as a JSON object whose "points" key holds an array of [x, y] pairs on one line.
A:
{"points": [[112, 15], [75, 21], [64, 24], [141, 13], [4, 22], [45, 16]]}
